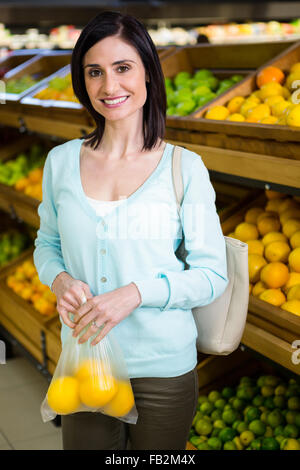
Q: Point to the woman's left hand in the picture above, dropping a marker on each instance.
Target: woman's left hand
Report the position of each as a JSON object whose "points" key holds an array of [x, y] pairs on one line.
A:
{"points": [[105, 309]]}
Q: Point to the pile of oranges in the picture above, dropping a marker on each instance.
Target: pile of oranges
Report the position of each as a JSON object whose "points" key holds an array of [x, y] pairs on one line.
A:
{"points": [[91, 386], [275, 101], [25, 282], [272, 233], [31, 185]]}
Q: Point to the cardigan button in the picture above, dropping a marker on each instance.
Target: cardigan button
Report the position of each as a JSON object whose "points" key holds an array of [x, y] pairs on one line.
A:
{"points": [[103, 251], [103, 279]]}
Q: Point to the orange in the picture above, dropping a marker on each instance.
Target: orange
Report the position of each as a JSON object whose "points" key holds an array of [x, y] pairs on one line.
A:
{"points": [[269, 74], [122, 402], [295, 239], [245, 231], [252, 214], [97, 390], [90, 367], [293, 280], [274, 237], [250, 288], [217, 112], [26, 293], [255, 246], [273, 296], [277, 251], [255, 264], [21, 184], [258, 288], [50, 296], [291, 213], [63, 395], [290, 227], [43, 306], [288, 203], [35, 175], [275, 274], [266, 214], [235, 103], [294, 260], [10, 281], [294, 293], [292, 306], [268, 224], [271, 194]]}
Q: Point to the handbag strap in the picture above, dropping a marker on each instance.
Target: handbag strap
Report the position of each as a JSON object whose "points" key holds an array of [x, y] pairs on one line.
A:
{"points": [[177, 176]]}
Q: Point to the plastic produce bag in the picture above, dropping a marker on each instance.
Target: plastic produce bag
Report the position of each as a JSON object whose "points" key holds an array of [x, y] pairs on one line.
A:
{"points": [[90, 378]]}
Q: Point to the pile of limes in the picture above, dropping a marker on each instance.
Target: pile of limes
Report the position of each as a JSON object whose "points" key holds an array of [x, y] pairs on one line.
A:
{"points": [[260, 413]]}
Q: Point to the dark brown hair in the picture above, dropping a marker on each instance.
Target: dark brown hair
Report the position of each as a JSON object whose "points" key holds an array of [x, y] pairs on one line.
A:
{"points": [[133, 32]]}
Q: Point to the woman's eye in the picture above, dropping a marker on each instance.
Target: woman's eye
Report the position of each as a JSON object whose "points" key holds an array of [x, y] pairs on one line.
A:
{"points": [[123, 68], [94, 73]]}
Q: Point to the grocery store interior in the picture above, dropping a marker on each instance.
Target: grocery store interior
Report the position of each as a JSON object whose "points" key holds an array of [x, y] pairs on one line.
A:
{"points": [[232, 76]]}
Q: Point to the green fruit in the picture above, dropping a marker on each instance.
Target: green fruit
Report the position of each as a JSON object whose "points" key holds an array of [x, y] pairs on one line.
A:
{"points": [[258, 400], [215, 443], [203, 427], [294, 403], [219, 424], [278, 431], [252, 414], [229, 416], [280, 390], [242, 427], [186, 107], [290, 430], [269, 443], [203, 446], [201, 91], [202, 100], [269, 403], [213, 396], [272, 381], [206, 408], [212, 83], [245, 393], [197, 416], [247, 437], [220, 403], [275, 418], [238, 404], [227, 392], [269, 432], [256, 444], [171, 111], [290, 417], [297, 420], [216, 414], [202, 399], [203, 74], [279, 401], [195, 440], [289, 444], [227, 434], [258, 427], [229, 445], [236, 78], [215, 432]]}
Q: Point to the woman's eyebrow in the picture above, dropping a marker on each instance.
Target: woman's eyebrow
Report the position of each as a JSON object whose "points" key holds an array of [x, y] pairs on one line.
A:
{"points": [[114, 63]]}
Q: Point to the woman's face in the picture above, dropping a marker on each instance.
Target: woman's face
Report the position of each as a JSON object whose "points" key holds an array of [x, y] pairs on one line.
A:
{"points": [[115, 78]]}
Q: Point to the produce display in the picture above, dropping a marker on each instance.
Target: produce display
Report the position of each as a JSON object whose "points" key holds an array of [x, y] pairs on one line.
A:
{"points": [[19, 85], [260, 413], [272, 233], [59, 88], [12, 243], [188, 92], [25, 172], [275, 101], [25, 282]]}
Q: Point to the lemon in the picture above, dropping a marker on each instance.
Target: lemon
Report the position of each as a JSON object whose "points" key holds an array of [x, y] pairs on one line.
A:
{"points": [[246, 107], [290, 227], [292, 306], [63, 395], [122, 402], [245, 231], [236, 117], [258, 288], [270, 89], [295, 67], [255, 246], [279, 108], [277, 251], [252, 214], [255, 265], [97, 390], [293, 117], [294, 292], [295, 239], [291, 78], [273, 237], [217, 113], [259, 112], [269, 120], [235, 103], [271, 100]]}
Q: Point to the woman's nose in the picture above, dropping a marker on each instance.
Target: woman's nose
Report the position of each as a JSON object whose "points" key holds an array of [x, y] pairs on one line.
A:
{"points": [[109, 85]]}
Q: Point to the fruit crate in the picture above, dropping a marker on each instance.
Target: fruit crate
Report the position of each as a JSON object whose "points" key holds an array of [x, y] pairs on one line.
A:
{"points": [[60, 110], [53, 343], [269, 330], [164, 52], [218, 372], [266, 139], [17, 203], [12, 62], [19, 317]]}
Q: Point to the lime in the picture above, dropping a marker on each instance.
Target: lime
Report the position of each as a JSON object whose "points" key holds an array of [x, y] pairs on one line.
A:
{"points": [[229, 416], [272, 380], [197, 416], [267, 391], [290, 417], [246, 437], [258, 427], [229, 445], [238, 404], [185, 107], [195, 440], [231, 400], [201, 90], [269, 432], [206, 408], [242, 427], [294, 403], [252, 414], [202, 74], [215, 443], [256, 444], [290, 444], [278, 431], [238, 443], [297, 420], [227, 407], [227, 392], [269, 403], [220, 403], [293, 391], [280, 438], [216, 414], [246, 380], [219, 424], [261, 381], [203, 446], [290, 430], [227, 434], [203, 427], [215, 432], [269, 443], [236, 423], [202, 399], [280, 390], [214, 395], [245, 392], [258, 400], [275, 418], [279, 401]]}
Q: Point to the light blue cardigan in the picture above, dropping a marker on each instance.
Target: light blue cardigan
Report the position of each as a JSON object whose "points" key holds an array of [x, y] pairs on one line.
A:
{"points": [[136, 242]]}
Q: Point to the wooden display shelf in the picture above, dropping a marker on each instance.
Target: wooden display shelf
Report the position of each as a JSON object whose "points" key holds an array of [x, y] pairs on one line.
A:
{"points": [[52, 340], [59, 128], [264, 168], [19, 204]]}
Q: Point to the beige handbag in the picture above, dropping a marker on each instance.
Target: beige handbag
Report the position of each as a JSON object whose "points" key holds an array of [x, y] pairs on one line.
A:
{"points": [[220, 324]]}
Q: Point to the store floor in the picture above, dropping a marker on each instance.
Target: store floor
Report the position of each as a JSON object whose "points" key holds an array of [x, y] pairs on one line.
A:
{"points": [[22, 390]]}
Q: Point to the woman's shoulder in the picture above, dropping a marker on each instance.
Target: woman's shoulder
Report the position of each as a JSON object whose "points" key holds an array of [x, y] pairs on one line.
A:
{"points": [[64, 149]]}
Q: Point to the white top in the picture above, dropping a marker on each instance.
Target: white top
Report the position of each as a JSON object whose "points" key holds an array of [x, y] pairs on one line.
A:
{"points": [[103, 207]]}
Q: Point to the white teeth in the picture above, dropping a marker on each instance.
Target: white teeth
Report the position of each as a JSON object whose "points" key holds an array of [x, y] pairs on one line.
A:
{"points": [[118, 100]]}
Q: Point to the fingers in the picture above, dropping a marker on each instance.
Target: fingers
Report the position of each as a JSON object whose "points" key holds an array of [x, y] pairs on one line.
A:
{"points": [[65, 318], [105, 330]]}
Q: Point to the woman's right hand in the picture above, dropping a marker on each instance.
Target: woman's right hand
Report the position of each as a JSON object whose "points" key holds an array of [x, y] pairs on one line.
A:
{"points": [[70, 295]]}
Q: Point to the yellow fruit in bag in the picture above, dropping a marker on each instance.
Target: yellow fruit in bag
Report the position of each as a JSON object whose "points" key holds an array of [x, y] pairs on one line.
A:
{"points": [[122, 402], [63, 395], [97, 390], [88, 368]]}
